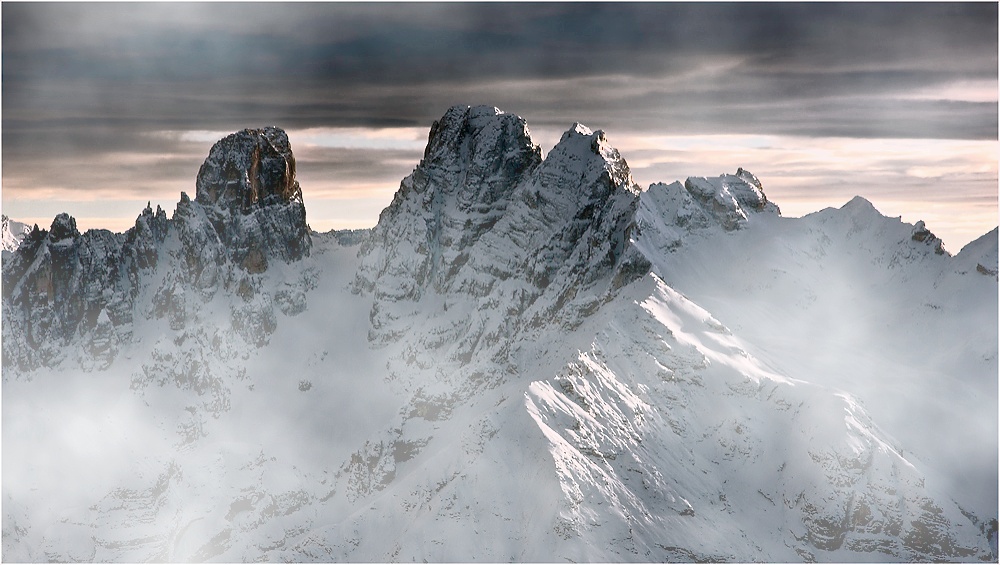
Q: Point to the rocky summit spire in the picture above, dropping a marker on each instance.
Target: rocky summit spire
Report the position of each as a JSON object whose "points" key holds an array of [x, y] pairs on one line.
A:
{"points": [[247, 188], [248, 213], [475, 157], [247, 169], [485, 220]]}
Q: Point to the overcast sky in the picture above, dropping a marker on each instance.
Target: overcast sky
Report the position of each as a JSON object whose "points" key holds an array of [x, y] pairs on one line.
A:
{"points": [[107, 106]]}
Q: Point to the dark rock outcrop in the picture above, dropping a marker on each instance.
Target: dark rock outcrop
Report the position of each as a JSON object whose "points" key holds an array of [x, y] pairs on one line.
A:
{"points": [[62, 286], [923, 235], [248, 169], [56, 286], [247, 191]]}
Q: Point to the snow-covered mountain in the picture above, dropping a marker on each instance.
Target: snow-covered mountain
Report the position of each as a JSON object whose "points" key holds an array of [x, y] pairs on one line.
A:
{"points": [[12, 233], [527, 359]]}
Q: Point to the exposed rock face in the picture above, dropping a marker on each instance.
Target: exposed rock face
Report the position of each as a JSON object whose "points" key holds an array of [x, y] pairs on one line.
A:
{"points": [[729, 199], [62, 285], [485, 220], [247, 191], [56, 286], [699, 205], [923, 235], [474, 159], [247, 169]]}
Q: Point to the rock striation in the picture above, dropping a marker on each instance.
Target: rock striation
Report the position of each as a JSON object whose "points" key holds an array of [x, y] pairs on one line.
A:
{"points": [[247, 192], [475, 158]]}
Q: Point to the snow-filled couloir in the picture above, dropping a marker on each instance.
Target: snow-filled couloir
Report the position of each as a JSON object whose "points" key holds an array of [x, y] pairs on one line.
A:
{"points": [[526, 359]]}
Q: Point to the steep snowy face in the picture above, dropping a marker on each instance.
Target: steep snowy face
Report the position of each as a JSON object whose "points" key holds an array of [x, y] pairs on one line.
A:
{"points": [[710, 454], [854, 300], [980, 255], [567, 227]]}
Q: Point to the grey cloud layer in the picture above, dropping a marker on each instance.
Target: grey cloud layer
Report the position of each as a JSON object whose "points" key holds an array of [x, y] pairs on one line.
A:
{"points": [[319, 64], [81, 80]]}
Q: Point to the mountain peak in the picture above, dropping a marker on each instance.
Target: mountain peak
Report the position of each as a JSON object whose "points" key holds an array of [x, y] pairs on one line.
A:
{"points": [[63, 226], [476, 153], [727, 200], [982, 252], [577, 128], [582, 152], [249, 169], [247, 188], [860, 205], [749, 177], [482, 208], [12, 233], [474, 159], [483, 126]]}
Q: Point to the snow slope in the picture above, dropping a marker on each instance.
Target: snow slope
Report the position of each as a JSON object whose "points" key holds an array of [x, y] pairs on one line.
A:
{"points": [[527, 359], [859, 302], [12, 232]]}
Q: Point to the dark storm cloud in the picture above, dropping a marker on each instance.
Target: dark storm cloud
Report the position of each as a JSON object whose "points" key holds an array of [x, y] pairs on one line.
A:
{"points": [[351, 166], [216, 65], [84, 83]]}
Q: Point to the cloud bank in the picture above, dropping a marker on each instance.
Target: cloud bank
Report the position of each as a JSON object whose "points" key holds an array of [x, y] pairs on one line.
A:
{"points": [[97, 97]]}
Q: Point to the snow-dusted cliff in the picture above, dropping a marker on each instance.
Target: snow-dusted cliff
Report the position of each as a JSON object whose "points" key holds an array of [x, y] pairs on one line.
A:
{"points": [[526, 359]]}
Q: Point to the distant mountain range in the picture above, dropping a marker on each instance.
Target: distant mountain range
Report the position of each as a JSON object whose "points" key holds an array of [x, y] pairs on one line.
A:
{"points": [[527, 359]]}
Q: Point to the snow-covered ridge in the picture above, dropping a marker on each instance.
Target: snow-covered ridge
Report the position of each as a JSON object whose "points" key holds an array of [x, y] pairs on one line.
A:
{"points": [[526, 359], [551, 228], [12, 232], [537, 268]]}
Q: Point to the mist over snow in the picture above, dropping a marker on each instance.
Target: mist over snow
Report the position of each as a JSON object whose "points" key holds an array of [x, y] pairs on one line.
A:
{"points": [[529, 358]]}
